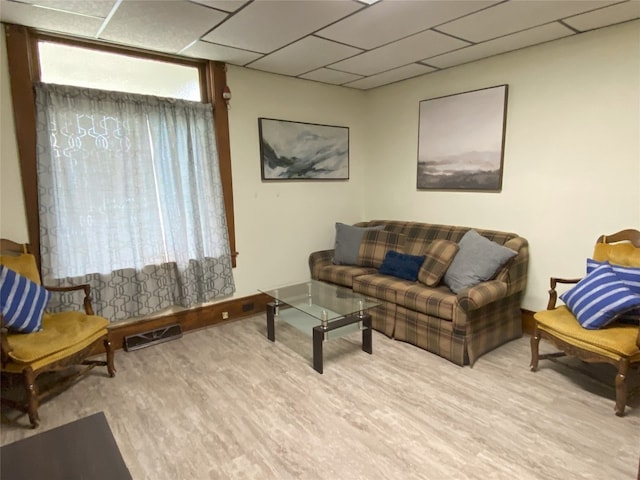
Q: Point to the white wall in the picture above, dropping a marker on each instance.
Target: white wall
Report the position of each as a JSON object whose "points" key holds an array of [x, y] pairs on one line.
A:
{"points": [[571, 169], [279, 223], [13, 220], [572, 154]]}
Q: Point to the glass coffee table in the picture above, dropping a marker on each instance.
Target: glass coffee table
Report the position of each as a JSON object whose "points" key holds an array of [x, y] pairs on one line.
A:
{"points": [[321, 310]]}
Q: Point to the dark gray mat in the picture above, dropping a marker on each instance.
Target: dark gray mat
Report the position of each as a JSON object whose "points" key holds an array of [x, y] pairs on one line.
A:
{"points": [[80, 450]]}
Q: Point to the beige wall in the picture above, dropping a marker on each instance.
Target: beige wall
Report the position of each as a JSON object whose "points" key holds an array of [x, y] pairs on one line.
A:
{"points": [[572, 154], [13, 223], [571, 170], [279, 223]]}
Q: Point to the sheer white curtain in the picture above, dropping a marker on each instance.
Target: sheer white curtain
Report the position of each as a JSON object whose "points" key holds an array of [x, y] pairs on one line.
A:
{"points": [[130, 200]]}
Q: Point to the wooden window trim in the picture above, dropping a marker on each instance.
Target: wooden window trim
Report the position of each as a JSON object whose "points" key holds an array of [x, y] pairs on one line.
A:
{"points": [[22, 54]]}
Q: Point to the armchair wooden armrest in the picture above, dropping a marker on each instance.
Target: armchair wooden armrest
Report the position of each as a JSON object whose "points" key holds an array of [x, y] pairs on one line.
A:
{"points": [[553, 294], [88, 308], [4, 348]]}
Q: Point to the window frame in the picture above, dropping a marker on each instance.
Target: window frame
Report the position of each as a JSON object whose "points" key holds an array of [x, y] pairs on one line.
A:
{"points": [[24, 69]]}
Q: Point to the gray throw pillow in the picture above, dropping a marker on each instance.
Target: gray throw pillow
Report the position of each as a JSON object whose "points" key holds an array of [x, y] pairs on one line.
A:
{"points": [[347, 244], [477, 260]]}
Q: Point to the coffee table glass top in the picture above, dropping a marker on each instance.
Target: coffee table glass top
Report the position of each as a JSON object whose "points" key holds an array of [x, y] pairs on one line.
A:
{"points": [[321, 300]]}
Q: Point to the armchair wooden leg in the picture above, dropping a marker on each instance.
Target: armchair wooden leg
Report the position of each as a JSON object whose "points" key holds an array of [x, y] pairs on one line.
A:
{"points": [[31, 392], [621, 386], [535, 342], [110, 358]]}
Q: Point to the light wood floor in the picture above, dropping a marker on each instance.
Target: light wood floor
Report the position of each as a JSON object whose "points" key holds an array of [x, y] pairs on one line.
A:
{"points": [[225, 403]]}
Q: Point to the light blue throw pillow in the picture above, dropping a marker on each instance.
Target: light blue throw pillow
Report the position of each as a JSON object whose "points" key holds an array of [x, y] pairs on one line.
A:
{"points": [[478, 260], [599, 298], [347, 244], [23, 301]]}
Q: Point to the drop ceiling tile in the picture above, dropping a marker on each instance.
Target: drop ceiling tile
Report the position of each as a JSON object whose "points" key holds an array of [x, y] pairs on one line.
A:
{"points": [[405, 51], [266, 25], [620, 12], [220, 53], [226, 5], [391, 20], [158, 25], [515, 15], [402, 73], [95, 8], [308, 54], [49, 20], [327, 75], [533, 36]]}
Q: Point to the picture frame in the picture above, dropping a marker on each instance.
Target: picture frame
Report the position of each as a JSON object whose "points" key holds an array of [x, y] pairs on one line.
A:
{"points": [[292, 150], [461, 140]]}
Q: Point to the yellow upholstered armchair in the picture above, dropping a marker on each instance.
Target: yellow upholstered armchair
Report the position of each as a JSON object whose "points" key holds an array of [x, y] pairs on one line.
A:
{"points": [[614, 267], [35, 341]]}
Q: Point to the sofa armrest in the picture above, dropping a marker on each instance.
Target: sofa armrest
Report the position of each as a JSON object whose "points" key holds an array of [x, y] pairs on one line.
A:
{"points": [[514, 274], [320, 259], [482, 294]]}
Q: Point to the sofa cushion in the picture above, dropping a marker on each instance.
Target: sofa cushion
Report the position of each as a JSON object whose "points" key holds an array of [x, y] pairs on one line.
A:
{"points": [[599, 298], [382, 287], [401, 265], [614, 341], [23, 301], [347, 243], [439, 255], [62, 334], [435, 302], [375, 245], [342, 274], [477, 260]]}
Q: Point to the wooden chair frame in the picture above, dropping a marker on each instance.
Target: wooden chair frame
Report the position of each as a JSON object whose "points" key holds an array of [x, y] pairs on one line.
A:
{"points": [[623, 364], [33, 395]]}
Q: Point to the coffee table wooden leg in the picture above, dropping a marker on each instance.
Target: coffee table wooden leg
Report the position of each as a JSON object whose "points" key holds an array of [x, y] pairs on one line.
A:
{"points": [[366, 334], [271, 330], [318, 338]]}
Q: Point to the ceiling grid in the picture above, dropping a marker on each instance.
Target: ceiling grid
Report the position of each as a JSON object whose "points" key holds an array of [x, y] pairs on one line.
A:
{"points": [[339, 42]]}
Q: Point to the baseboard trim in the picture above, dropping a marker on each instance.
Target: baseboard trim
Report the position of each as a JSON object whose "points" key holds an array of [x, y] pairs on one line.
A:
{"points": [[193, 319], [209, 315]]}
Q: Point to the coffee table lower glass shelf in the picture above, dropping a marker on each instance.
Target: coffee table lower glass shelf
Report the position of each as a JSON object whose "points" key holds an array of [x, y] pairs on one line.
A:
{"points": [[322, 310]]}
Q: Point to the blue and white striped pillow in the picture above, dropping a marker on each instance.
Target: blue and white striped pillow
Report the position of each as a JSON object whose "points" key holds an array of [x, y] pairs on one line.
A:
{"points": [[23, 301], [599, 298], [630, 276]]}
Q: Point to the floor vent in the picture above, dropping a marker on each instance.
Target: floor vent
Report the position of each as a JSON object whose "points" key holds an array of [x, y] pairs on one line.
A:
{"points": [[152, 337]]}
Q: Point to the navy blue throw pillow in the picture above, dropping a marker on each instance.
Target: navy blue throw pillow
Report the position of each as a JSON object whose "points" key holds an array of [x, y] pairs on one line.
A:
{"points": [[402, 265]]}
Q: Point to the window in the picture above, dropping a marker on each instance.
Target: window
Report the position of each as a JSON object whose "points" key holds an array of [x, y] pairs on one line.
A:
{"points": [[85, 67], [166, 151], [22, 49]]}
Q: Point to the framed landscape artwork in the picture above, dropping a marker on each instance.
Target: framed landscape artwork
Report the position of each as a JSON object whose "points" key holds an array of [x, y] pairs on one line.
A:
{"points": [[461, 141], [303, 151]]}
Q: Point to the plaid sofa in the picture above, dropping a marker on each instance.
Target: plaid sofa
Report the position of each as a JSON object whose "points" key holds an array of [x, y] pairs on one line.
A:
{"points": [[459, 327]]}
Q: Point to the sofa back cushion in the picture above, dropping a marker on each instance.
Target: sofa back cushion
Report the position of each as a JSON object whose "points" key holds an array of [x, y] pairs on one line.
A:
{"points": [[375, 244], [419, 235]]}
